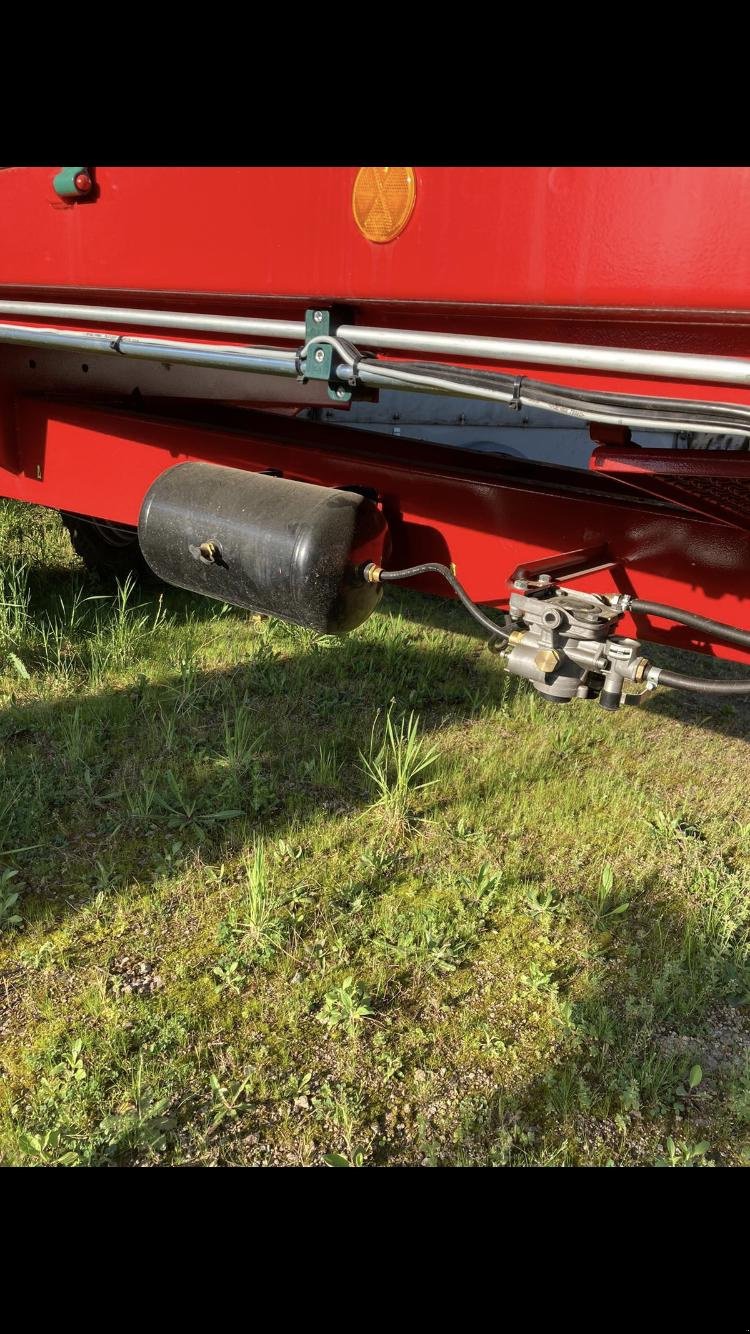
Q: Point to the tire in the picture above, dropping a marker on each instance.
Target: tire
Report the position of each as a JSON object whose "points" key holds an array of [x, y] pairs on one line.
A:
{"points": [[109, 550]]}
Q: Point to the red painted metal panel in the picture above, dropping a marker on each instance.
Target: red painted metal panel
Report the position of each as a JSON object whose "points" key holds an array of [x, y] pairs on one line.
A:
{"points": [[440, 505], [646, 237]]}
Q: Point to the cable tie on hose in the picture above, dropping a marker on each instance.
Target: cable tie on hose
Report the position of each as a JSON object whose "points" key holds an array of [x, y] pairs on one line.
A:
{"points": [[355, 364], [358, 359]]}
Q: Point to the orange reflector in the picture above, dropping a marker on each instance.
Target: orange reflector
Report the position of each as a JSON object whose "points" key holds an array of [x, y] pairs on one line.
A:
{"points": [[383, 200]]}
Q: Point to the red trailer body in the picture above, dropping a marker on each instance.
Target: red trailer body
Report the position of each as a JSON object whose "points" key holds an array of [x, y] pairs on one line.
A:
{"points": [[630, 282]]}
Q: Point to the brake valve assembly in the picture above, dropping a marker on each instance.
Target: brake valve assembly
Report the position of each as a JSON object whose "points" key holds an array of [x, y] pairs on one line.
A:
{"points": [[564, 645], [562, 641]]}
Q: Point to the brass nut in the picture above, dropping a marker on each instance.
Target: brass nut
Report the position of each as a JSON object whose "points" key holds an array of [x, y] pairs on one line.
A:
{"points": [[546, 660], [517, 636], [209, 550]]}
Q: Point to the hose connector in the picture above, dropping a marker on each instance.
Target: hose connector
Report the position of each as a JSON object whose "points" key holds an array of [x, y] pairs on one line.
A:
{"points": [[372, 572]]}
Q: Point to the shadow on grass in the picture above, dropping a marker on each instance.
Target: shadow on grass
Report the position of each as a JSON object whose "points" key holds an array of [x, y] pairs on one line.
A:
{"points": [[247, 739], [726, 716], [78, 772]]}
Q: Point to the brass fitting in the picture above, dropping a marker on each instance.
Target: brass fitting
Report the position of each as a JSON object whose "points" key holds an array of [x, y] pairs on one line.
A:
{"points": [[546, 660], [209, 550], [372, 573]]}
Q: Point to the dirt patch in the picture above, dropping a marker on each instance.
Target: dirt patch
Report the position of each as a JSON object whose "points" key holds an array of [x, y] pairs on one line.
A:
{"points": [[135, 977]]}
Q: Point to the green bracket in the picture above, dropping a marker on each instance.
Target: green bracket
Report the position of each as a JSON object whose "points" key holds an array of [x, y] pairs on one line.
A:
{"points": [[319, 363], [64, 183]]}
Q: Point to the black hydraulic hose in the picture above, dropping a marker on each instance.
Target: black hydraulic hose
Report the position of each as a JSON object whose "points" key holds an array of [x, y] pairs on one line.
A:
{"points": [[700, 685], [714, 628], [393, 576], [717, 629], [712, 415]]}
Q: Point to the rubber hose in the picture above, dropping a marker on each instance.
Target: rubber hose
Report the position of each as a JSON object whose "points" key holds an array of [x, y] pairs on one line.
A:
{"points": [[715, 628], [700, 685], [393, 576]]}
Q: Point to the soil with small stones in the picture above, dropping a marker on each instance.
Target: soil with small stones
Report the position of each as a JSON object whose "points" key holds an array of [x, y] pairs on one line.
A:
{"points": [[135, 977]]}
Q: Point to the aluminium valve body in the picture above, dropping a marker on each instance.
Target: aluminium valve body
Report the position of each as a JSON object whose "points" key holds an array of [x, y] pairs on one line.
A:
{"points": [[564, 645]]}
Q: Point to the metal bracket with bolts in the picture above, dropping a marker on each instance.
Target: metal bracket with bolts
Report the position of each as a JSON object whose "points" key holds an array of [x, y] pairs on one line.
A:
{"points": [[323, 350], [318, 361]]}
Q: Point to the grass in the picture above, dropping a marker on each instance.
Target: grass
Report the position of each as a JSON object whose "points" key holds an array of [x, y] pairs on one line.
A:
{"points": [[273, 899], [393, 764]]}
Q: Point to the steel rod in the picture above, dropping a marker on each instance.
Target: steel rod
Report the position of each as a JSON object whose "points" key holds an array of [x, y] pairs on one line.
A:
{"points": [[166, 319], [627, 361]]}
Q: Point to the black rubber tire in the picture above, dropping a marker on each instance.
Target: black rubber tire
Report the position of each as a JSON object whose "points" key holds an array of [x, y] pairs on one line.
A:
{"points": [[109, 550]]}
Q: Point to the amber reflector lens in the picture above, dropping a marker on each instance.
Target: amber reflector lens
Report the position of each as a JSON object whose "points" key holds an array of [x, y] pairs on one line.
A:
{"points": [[383, 200]]}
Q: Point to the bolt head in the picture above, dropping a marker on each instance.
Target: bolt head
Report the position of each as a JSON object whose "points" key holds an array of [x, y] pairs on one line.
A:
{"points": [[341, 393], [319, 355], [82, 182], [546, 660], [318, 316]]}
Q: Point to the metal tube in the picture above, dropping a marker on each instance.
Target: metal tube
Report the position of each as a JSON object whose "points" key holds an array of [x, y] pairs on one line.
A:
{"points": [[279, 361], [271, 361], [673, 365], [167, 319], [27, 336], [629, 361]]}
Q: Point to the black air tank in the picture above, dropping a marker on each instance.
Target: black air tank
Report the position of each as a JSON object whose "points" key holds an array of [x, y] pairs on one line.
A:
{"points": [[273, 545]]}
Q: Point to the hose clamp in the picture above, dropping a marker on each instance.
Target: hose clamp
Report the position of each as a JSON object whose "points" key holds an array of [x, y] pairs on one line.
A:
{"points": [[515, 400]]}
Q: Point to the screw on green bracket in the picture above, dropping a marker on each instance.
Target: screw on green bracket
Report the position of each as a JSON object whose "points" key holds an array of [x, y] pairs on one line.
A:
{"points": [[319, 362], [72, 182]]}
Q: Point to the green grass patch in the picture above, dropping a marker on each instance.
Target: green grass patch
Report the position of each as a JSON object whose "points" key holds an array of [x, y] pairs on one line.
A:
{"points": [[269, 898]]}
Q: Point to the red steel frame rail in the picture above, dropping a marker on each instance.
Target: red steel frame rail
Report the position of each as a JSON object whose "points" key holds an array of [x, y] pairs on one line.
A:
{"points": [[486, 515]]}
